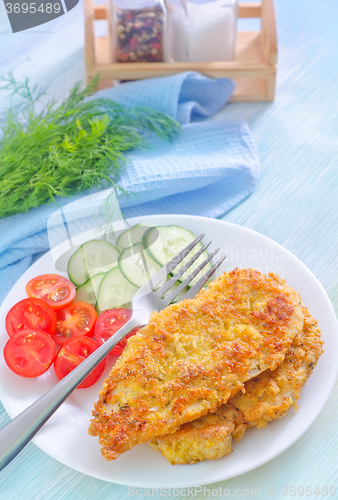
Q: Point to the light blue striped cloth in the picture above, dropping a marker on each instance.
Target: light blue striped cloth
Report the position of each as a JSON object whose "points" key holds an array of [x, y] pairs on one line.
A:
{"points": [[207, 170]]}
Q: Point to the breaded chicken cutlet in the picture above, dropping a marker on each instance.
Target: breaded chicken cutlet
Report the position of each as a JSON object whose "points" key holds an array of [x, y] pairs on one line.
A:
{"points": [[266, 397], [193, 356]]}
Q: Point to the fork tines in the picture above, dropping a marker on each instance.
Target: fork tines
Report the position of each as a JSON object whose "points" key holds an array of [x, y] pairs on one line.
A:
{"points": [[169, 284], [203, 280], [200, 283], [162, 274]]}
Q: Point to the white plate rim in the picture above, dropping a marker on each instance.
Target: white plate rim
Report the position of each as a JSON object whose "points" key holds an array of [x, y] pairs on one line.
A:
{"points": [[168, 219]]}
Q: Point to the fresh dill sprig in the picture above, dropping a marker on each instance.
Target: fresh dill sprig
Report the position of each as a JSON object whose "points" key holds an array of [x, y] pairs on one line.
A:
{"points": [[68, 147]]}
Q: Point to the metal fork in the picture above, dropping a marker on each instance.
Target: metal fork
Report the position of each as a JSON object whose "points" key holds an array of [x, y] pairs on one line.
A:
{"points": [[16, 434]]}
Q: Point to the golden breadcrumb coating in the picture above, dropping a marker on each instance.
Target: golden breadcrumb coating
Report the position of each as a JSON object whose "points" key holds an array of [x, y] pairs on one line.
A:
{"points": [[266, 397], [194, 355]]}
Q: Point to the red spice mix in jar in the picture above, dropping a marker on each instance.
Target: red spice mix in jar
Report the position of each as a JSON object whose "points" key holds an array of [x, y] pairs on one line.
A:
{"points": [[139, 30]]}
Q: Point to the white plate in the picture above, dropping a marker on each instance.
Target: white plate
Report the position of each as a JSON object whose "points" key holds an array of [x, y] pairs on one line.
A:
{"points": [[65, 436]]}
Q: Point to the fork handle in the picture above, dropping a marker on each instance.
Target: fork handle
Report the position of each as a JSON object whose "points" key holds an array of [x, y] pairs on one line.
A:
{"points": [[16, 434]]}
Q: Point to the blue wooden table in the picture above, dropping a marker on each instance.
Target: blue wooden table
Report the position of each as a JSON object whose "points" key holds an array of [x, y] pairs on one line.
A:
{"points": [[296, 204]]}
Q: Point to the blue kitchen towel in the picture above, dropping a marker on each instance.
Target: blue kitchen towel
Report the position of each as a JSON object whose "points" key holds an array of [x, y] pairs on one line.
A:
{"points": [[186, 97], [208, 169]]}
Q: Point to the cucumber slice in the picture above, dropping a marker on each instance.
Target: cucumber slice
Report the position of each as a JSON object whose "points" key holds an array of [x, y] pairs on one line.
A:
{"points": [[164, 242], [136, 265], [172, 288], [89, 290], [115, 291], [131, 236], [77, 271], [93, 257]]}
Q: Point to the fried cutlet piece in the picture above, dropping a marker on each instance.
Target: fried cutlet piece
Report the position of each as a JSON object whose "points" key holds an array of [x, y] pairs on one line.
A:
{"points": [[266, 397], [194, 355]]}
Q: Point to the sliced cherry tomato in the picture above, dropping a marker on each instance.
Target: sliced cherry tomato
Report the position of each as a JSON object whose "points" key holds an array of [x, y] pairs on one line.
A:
{"points": [[72, 353], [109, 323], [29, 353], [56, 290], [30, 313], [76, 320]]}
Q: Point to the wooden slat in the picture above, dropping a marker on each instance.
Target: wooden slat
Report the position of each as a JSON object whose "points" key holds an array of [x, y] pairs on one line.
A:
{"points": [[134, 71], [271, 88], [250, 89], [100, 12], [249, 47], [269, 32], [246, 10], [110, 31], [102, 52], [89, 37]]}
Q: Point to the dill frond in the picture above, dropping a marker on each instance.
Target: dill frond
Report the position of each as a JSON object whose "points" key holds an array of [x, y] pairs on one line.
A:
{"points": [[68, 147]]}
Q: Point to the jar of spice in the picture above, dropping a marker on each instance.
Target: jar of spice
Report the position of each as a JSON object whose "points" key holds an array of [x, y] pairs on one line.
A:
{"points": [[139, 30], [202, 30]]}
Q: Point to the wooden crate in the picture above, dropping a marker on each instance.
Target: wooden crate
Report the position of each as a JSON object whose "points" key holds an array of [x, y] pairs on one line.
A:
{"points": [[254, 67]]}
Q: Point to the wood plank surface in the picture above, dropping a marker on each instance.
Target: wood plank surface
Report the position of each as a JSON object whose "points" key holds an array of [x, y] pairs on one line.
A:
{"points": [[296, 204]]}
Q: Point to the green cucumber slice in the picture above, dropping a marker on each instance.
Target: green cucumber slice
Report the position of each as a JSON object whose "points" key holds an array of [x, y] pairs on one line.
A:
{"points": [[93, 257], [131, 236], [136, 265], [115, 291], [89, 290], [172, 288], [77, 271], [164, 242]]}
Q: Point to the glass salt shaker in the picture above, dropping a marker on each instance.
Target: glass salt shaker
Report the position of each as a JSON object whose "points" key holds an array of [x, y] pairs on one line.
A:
{"points": [[138, 30], [202, 30]]}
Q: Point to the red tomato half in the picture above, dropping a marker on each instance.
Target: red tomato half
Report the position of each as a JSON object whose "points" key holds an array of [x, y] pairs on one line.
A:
{"points": [[109, 323], [29, 353], [30, 313], [56, 290], [72, 353], [76, 320]]}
